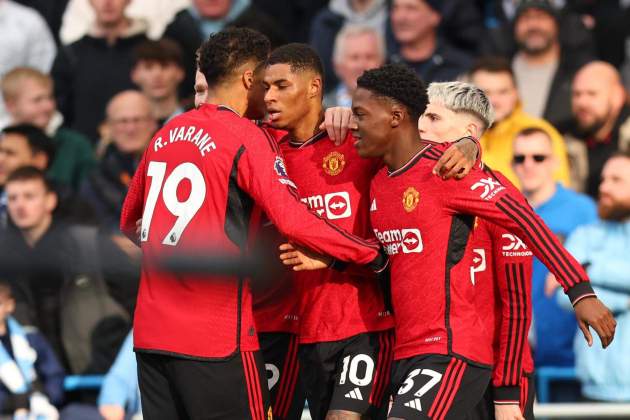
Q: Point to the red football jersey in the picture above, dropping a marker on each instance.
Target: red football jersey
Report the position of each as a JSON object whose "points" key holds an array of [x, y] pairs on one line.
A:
{"points": [[424, 224], [196, 190], [335, 182], [501, 277]]}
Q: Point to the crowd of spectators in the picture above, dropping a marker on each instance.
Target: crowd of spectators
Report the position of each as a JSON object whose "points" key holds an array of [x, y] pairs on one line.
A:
{"points": [[86, 83]]}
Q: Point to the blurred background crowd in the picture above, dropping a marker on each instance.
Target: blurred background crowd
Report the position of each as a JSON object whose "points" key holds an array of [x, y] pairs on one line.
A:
{"points": [[86, 83]]}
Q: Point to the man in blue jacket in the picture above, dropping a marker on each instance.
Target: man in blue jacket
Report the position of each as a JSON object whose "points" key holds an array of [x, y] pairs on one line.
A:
{"points": [[602, 247]]}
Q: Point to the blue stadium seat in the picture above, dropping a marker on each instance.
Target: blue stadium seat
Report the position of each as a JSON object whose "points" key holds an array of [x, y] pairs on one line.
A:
{"points": [[78, 382], [546, 375]]}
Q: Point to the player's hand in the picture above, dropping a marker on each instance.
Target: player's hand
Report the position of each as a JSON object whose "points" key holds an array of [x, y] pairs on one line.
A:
{"points": [[337, 123], [591, 312], [112, 412], [508, 412], [551, 284], [125, 245], [138, 228], [457, 160], [301, 259]]}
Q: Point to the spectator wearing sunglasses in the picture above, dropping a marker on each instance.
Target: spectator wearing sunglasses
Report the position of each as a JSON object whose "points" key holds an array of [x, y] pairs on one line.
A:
{"points": [[534, 163]]}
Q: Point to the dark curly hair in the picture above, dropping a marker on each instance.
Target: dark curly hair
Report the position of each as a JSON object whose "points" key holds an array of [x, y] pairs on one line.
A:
{"points": [[299, 57], [221, 54], [399, 83]]}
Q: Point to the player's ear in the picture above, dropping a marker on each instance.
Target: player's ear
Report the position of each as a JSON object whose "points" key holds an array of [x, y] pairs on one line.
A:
{"points": [[397, 115], [315, 88], [248, 79]]}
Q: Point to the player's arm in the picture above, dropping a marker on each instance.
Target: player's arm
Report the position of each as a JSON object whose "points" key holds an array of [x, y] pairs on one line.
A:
{"points": [[512, 271], [492, 197], [261, 172], [455, 159], [133, 204]]}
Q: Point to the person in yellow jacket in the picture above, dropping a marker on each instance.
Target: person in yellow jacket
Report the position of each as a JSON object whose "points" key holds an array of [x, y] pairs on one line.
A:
{"points": [[495, 77]]}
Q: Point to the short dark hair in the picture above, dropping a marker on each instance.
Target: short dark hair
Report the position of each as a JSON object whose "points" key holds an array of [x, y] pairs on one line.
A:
{"points": [[399, 83], [530, 131], [37, 140], [30, 173], [221, 54], [299, 57], [164, 51], [493, 64]]}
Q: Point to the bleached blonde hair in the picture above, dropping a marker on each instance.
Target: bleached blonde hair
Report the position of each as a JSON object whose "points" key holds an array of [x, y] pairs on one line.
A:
{"points": [[463, 97]]}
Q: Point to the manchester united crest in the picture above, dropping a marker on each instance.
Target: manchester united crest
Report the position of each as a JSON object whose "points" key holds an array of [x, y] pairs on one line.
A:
{"points": [[411, 198], [334, 162]]}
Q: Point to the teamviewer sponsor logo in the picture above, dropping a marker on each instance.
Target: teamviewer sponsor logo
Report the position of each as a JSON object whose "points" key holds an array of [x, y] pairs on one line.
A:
{"points": [[409, 241], [513, 246], [333, 206], [479, 263], [490, 188]]}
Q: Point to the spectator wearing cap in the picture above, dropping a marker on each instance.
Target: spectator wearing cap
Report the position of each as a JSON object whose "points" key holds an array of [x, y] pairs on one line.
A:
{"points": [[357, 49], [28, 94], [25, 41], [602, 247], [415, 27], [563, 210], [495, 77], [600, 125], [159, 70], [328, 23], [543, 69]]}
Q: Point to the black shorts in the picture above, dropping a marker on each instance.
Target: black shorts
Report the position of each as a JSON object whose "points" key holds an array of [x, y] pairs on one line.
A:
{"points": [[485, 409], [436, 387], [349, 375], [279, 351], [174, 388]]}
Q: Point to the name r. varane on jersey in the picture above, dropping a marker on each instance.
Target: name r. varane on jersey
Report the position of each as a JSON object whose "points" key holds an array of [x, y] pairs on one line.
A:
{"points": [[187, 133]]}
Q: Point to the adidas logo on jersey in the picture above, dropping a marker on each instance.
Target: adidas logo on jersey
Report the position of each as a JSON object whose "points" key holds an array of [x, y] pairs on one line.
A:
{"points": [[373, 205], [355, 394], [415, 404]]}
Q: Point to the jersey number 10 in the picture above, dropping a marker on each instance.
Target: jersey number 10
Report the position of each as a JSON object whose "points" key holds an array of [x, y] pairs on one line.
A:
{"points": [[183, 210]]}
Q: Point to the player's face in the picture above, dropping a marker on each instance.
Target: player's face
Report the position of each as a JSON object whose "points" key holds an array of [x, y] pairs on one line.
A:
{"points": [[371, 123], [201, 89], [35, 104], [157, 80], [614, 190], [440, 124], [14, 153], [287, 95], [500, 89], [28, 203], [533, 161], [256, 108]]}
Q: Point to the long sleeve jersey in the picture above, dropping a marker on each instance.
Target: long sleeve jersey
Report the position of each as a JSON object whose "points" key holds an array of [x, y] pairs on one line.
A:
{"points": [[424, 224], [501, 278], [335, 182], [198, 185]]}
